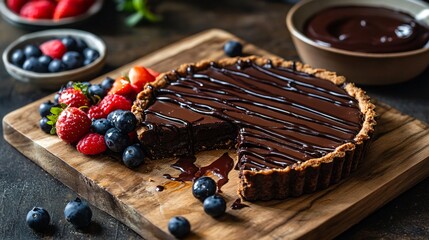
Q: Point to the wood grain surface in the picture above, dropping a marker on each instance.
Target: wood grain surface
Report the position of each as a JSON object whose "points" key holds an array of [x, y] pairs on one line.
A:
{"points": [[397, 160]]}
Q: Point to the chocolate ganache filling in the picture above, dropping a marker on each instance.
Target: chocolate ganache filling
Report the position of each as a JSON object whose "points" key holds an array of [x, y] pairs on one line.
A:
{"points": [[367, 29], [275, 116]]}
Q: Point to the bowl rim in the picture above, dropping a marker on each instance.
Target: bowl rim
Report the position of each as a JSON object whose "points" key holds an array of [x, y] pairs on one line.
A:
{"points": [[52, 33], [15, 18], [298, 34]]}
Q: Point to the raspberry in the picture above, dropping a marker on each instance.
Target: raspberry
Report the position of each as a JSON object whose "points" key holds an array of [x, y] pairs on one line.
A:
{"points": [[95, 112], [114, 102], [53, 48], [73, 98], [92, 144], [72, 124]]}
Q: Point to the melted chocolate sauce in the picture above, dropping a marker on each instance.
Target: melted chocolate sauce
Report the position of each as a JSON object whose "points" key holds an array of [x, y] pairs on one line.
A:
{"points": [[159, 188], [189, 172], [236, 205], [282, 116], [367, 29]]}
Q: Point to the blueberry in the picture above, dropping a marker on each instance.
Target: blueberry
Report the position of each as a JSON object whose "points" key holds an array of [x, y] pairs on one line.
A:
{"points": [[214, 205], [72, 60], [32, 64], [125, 121], [90, 55], [32, 51], [78, 213], [96, 90], [101, 126], [113, 116], [107, 83], [56, 66], [43, 123], [44, 62], [179, 226], [70, 43], [38, 219], [115, 140], [80, 45], [45, 108], [203, 187], [18, 57], [56, 97], [233, 48], [133, 156]]}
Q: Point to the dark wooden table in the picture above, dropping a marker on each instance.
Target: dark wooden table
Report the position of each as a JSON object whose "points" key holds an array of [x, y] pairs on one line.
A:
{"points": [[24, 185]]}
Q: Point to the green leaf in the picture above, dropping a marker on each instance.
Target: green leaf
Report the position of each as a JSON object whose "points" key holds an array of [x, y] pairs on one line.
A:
{"points": [[56, 110], [139, 5], [53, 130], [134, 19], [125, 6]]}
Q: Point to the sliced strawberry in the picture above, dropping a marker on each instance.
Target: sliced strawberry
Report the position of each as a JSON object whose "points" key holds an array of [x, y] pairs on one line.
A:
{"points": [[71, 8], [122, 87], [72, 124], [53, 48], [42, 9], [15, 5], [139, 76], [92, 144], [153, 72]]}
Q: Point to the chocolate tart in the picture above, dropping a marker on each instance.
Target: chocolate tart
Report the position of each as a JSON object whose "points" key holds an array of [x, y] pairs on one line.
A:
{"points": [[296, 129]]}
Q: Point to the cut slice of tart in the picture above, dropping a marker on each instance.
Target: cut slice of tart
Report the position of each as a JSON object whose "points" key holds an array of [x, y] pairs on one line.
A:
{"points": [[296, 129]]}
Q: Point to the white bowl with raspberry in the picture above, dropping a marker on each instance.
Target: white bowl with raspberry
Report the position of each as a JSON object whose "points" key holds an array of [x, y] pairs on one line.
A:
{"points": [[42, 16], [53, 80]]}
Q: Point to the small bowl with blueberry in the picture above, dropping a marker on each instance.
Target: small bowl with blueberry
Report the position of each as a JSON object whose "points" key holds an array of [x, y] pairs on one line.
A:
{"points": [[49, 59]]}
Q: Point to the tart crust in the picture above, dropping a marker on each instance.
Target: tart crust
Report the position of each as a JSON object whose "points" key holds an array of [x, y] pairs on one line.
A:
{"points": [[299, 178]]}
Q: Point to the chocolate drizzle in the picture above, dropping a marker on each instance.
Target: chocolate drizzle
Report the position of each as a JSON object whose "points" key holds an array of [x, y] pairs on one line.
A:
{"points": [[280, 116], [189, 171]]}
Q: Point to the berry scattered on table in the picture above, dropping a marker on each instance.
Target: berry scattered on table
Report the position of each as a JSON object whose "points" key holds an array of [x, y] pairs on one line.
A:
{"points": [[115, 140], [78, 213], [203, 187], [72, 124], [114, 102], [113, 116], [38, 219], [95, 112], [138, 77], [133, 156], [233, 48], [179, 226], [214, 205], [107, 83], [96, 90], [53, 48], [92, 144], [122, 86]]}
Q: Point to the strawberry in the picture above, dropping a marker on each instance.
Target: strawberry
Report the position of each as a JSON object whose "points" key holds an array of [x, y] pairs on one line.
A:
{"points": [[153, 72], [53, 48], [42, 9], [92, 144], [139, 76], [15, 5], [114, 102], [72, 124], [122, 86], [71, 8], [95, 112], [75, 97]]}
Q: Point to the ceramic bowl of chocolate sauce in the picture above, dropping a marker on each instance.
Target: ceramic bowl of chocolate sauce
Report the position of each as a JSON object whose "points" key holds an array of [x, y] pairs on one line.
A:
{"points": [[370, 42]]}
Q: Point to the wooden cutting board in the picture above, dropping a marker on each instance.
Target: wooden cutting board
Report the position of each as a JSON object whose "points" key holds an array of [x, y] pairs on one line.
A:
{"points": [[397, 160]]}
